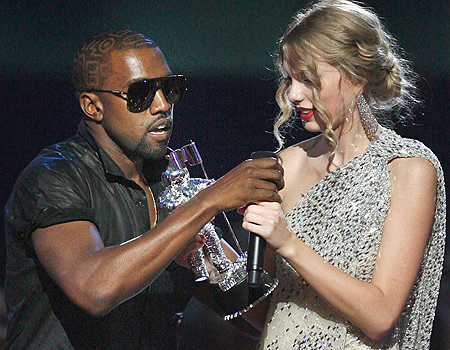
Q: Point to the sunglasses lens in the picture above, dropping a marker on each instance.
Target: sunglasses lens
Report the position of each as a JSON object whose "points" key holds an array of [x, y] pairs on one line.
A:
{"points": [[174, 88], [141, 93]]}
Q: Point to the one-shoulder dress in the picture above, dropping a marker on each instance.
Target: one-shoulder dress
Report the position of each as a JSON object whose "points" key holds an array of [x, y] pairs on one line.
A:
{"points": [[342, 219]]}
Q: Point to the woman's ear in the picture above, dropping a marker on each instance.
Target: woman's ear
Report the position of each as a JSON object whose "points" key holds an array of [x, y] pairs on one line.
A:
{"points": [[91, 106], [359, 89]]}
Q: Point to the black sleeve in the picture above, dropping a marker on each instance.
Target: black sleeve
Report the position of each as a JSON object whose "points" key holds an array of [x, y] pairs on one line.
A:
{"points": [[45, 196]]}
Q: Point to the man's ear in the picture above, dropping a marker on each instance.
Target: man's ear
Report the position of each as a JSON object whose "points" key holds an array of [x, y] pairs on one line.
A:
{"points": [[91, 106]]}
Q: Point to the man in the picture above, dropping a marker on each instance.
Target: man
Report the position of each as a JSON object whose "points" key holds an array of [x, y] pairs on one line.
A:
{"points": [[87, 265]]}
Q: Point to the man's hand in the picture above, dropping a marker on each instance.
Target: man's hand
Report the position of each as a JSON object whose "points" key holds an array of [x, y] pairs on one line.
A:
{"points": [[252, 181]]}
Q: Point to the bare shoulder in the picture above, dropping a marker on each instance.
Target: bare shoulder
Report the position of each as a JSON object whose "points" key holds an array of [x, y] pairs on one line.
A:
{"points": [[291, 153], [296, 161], [297, 155], [413, 171], [414, 183]]}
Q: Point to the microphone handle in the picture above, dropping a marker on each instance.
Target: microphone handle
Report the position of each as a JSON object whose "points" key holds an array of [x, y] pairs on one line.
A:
{"points": [[256, 245]]}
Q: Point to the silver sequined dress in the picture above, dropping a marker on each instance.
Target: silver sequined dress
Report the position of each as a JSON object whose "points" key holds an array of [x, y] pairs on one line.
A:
{"points": [[342, 218]]}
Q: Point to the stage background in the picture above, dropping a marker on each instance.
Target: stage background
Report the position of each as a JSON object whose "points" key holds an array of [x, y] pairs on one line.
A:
{"points": [[224, 48]]}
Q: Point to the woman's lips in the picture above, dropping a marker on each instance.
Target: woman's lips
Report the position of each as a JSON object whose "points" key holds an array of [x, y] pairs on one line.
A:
{"points": [[305, 113]]}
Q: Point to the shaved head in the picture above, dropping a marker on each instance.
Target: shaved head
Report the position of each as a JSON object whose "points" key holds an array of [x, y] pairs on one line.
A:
{"points": [[90, 65]]}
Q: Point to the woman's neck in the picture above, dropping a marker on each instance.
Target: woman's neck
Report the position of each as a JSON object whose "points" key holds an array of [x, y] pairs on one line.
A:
{"points": [[351, 143]]}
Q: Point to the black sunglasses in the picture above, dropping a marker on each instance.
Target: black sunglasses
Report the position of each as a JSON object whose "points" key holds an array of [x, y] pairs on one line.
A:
{"points": [[140, 93]]}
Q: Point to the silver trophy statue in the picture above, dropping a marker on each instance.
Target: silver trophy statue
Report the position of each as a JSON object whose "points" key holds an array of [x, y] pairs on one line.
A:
{"points": [[231, 293]]}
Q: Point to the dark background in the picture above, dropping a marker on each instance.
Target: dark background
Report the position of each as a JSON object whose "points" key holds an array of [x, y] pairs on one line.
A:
{"points": [[224, 48]]}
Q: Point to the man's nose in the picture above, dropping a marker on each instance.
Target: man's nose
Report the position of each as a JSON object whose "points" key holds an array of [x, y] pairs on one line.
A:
{"points": [[159, 103]]}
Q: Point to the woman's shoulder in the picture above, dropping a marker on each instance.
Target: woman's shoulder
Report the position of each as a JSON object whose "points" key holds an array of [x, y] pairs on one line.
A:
{"points": [[302, 150], [413, 170], [394, 146], [298, 161]]}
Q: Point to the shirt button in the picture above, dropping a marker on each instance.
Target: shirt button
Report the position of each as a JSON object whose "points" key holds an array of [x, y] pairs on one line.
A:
{"points": [[141, 204]]}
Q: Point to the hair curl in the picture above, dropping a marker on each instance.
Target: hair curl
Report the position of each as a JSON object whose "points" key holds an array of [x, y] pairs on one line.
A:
{"points": [[90, 63], [350, 37]]}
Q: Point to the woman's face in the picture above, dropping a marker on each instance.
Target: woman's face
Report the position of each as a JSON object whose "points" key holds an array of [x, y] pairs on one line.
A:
{"points": [[337, 94]]}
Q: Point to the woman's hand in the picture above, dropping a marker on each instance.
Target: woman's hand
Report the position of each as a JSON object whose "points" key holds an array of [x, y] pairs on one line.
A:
{"points": [[195, 244], [266, 219]]}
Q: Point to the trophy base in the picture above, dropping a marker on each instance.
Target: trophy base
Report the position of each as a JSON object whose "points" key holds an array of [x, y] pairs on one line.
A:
{"points": [[233, 276]]}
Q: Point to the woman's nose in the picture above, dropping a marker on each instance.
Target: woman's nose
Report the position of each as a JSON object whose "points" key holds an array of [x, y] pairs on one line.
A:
{"points": [[296, 91]]}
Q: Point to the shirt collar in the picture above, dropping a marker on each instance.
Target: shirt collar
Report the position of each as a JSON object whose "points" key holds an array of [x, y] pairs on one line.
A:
{"points": [[152, 169], [109, 166]]}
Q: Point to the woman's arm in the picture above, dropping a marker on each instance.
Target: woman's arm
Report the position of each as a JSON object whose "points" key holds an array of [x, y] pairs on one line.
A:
{"points": [[374, 307]]}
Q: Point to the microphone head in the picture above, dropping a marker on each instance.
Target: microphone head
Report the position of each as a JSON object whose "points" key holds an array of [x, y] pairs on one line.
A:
{"points": [[263, 154]]}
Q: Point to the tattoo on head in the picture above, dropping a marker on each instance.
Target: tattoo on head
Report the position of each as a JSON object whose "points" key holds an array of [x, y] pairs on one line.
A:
{"points": [[90, 65]]}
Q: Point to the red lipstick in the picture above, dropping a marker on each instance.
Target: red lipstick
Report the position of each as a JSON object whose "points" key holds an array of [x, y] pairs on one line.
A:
{"points": [[305, 113]]}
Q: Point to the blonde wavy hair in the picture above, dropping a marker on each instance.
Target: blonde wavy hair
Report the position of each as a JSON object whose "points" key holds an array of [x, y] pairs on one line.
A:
{"points": [[350, 37]]}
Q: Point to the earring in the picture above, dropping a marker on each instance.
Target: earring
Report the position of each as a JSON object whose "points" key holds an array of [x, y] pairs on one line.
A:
{"points": [[368, 121]]}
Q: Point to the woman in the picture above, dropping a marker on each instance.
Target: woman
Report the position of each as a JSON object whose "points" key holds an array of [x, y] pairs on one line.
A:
{"points": [[359, 236]]}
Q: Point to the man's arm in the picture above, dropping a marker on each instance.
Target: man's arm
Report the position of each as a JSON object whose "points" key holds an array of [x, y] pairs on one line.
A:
{"points": [[98, 278]]}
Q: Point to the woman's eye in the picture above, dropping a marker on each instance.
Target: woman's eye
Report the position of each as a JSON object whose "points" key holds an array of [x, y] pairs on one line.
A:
{"points": [[305, 80]]}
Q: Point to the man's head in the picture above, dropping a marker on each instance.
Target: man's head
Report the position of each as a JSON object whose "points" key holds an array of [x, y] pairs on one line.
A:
{"points": [[127, 91], [90, 65]]}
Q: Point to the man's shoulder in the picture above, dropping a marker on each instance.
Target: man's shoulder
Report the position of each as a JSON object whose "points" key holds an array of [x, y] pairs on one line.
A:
{"points": [[59, 160]]}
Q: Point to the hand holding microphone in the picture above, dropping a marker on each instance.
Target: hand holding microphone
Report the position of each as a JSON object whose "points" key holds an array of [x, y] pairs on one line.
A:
{"points": [[263, 180], [256, 244]]}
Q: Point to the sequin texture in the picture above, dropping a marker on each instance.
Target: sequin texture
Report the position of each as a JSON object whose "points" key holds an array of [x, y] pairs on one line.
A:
{"points": [[342, 218]]}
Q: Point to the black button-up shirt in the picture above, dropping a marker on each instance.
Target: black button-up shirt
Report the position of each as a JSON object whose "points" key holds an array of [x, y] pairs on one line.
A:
{"points": [[71, 181]]}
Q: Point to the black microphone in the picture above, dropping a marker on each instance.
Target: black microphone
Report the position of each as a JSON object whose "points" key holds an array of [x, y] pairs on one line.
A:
{"points": [[256, 245]]}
